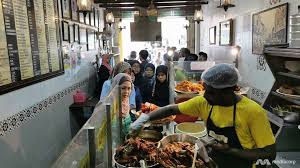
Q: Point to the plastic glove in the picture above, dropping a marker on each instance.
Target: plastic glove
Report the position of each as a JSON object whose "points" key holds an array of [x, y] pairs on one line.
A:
{"points": [[202, 151], [138, 124]]}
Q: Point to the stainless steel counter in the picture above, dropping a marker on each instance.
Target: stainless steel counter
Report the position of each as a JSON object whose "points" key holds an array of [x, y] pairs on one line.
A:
{"points": [[287, 159]]}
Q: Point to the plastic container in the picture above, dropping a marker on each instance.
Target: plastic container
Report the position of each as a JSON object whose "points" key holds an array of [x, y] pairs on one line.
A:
{"points": [[295, 30], [192, 129], [79, 97]]}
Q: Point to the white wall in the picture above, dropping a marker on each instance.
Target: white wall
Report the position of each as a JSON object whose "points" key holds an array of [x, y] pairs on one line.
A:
{"points": [[260, 80]]}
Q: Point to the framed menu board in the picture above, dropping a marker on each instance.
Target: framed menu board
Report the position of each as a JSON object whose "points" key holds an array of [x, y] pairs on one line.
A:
{"points": [[29, 48]]}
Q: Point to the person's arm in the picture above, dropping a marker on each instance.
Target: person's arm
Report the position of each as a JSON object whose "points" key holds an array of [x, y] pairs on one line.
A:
{"points": [[164, 112]]}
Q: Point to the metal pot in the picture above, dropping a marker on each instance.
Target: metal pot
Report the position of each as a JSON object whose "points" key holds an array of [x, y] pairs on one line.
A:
{"points": [[122, 166], [288, 116], [149, 135]]}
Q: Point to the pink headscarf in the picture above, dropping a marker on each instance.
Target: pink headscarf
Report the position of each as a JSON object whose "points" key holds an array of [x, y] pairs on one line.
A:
{"points": [[117, 81]]}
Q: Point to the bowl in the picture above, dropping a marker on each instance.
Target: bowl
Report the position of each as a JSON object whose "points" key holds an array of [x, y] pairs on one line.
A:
{"points": [[177, 138], [118, 165], [293, 66], [193, 129]]}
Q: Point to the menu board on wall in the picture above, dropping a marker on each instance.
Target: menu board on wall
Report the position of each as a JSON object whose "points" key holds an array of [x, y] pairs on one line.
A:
{"points": [[29, 45]]}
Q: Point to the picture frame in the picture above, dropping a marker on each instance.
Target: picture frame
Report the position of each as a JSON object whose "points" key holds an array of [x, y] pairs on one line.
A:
{"points": [[96, 18], [212, 35], [269, 26], [87, 19], [74, 10], [81, 18], [92, 17], [91, 40], [76, 32], [65, 31], [82, 35], [226, 33], [66, 9]]}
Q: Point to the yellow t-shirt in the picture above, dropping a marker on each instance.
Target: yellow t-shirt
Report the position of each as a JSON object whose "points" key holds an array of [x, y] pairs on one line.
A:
{"points": [[252, 124]]}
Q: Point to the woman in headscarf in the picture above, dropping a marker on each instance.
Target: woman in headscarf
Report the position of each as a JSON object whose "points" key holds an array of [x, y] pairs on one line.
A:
{"points": [[161, 93], [124, 81], [104, 71], [122, 67]]}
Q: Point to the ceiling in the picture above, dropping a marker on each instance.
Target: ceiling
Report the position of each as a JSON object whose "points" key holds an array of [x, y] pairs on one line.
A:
{"points": [[185, 7]]}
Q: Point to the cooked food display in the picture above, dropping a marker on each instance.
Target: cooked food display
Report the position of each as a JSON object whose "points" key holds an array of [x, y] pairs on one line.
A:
{"points": [[179, 155], [134, 150], [148, 108], [187, 86]]}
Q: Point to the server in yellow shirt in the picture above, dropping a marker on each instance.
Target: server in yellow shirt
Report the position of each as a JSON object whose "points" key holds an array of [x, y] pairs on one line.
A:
{"points": [[240, 125]]}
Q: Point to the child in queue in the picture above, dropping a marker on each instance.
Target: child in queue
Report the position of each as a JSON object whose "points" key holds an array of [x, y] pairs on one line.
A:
{"points": [[149, 82], [161, 93]]}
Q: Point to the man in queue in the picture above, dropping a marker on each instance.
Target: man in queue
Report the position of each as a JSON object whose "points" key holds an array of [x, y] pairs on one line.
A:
{"points": [[239, 125]]}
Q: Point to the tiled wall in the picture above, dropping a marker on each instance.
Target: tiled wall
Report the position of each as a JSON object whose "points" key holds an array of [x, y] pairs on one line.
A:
{"points": [[253, 68]]}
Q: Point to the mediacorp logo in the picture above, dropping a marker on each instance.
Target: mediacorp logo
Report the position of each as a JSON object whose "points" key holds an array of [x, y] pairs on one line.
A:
{"points": [[268, 162]]}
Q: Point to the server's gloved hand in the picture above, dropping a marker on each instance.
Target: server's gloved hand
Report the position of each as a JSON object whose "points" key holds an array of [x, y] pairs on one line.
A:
{"points": [[202, 151], [136, 126]]}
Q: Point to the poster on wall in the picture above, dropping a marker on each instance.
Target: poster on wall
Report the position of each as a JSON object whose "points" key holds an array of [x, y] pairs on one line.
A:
{"points": [[269, 27], [29, 45], [74, 10], [65, 8]]}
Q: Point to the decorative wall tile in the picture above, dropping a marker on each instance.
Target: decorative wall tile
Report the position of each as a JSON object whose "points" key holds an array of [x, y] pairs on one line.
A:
{"points": [[15, 121], [258, 95], [261, 63]]}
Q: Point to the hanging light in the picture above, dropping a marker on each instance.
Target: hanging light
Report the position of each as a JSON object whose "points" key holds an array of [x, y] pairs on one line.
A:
{"points": [[85, 6], [198, 16], [121, 26], [110, 18], [186, 23], [226, 4]]}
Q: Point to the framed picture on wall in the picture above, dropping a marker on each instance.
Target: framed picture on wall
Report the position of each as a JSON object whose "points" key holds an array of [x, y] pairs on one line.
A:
{"points": [[76, 32], [81, 18], [82, 35], [269, 27], [87, 19], [226, 33], [92, 17], [65, 31], [96, 17], [74, 10], [212, 35], [91, 40], [65, 9]]}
